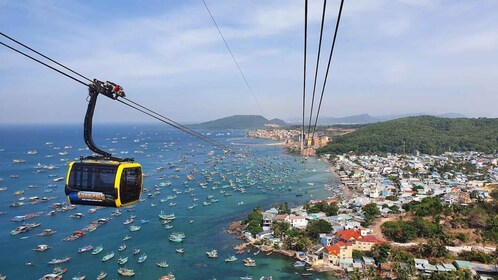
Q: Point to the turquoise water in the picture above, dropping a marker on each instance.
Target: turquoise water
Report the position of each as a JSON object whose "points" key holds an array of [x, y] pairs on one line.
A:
{"points": [[268, 176]]}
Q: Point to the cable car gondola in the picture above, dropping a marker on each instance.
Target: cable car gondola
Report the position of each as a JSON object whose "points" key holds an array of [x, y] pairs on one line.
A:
{"points": [[103, 180]]}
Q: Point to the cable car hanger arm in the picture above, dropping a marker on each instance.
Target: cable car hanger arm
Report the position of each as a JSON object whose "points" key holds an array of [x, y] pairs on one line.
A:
{"points": [[112, 91]]}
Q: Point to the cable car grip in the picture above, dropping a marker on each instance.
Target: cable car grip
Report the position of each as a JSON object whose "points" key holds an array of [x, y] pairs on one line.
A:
{"points": [[112, 91]]}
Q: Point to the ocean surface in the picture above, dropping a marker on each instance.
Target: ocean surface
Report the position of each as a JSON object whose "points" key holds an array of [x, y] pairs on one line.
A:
{"points": [[267, 174]]}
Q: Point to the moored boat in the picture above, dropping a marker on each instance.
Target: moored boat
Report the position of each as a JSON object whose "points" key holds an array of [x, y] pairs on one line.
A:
{"points": [[142, 258], [122, 247], [134, 228], [162, 264], [97, 250], [249, 262], [122, 260], [108, 257], [102, 275], [231, 259], [41, 248], [47, 232], [86, 248], [169, 276], [212, 254], [136, 251], [58, 261], [126, 272]]}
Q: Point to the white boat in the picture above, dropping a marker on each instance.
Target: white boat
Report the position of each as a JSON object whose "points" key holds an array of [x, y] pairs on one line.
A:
{"points": [[142, 258], [108, 257], [123, 260], [212, 254], [135, 228]]}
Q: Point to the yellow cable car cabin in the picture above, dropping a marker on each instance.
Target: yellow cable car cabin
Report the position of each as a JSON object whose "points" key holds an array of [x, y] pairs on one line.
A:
{"points": [[104, 183]]}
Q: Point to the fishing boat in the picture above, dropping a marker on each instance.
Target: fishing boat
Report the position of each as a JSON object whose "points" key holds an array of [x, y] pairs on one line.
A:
{"points": [[169, 276], [50, 276], [212, 254], [135, 228], [246, 277], [126, 238], [122, 260], [249, 262], [299, 264], [136, 251], [47, 232], [144, 221], [180, 250], [231, 259], [41, 248], [163, 216], [168, 226], [266, 278], [172, 204], [142, 258], [97, 250], [175, 238], [58, 261], [102, 275], [79, 277], [162, 264], [128, 221], [116, 213], [126, 272], [122, 247], [192, 206], [108, 257]]}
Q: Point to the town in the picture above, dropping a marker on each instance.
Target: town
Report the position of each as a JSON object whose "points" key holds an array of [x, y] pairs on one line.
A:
{"points": [[393, 216]]}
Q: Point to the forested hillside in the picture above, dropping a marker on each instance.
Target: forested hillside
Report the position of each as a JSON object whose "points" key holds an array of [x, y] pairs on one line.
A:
{"points": [[426, 134]]}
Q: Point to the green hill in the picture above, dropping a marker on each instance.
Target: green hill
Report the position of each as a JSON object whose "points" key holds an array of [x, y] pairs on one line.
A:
{"points": [[426, 134], [235, 122]]}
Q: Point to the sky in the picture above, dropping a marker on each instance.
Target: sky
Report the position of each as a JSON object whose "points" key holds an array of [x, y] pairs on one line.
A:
{"points": [[391, 57]]}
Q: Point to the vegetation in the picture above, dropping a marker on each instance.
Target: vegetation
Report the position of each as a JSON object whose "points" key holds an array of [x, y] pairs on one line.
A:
{"points": [[314, 228], [370, 211], [254, 220], [329, 209], [283, 208], [430, 135], [478, 256], [428, 206]]}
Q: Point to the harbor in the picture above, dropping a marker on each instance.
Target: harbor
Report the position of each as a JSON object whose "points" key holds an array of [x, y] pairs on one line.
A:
{"points": [[231, 185]]}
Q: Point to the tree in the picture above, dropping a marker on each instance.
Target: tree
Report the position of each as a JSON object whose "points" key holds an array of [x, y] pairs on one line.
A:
{"points": [[280, 228], [370, 211], [314, 228], [478, 217], [254, 220]]}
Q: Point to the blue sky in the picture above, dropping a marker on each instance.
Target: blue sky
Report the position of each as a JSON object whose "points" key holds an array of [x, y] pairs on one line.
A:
{"points": [[391, 57]]}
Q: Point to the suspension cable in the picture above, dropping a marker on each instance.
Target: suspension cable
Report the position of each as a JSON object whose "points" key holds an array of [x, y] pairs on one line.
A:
{"points": [[142, 109], [171, 122], [317, 64], [304, 70], [43, 63], [328, 66], [44, 56], [233, 57]]}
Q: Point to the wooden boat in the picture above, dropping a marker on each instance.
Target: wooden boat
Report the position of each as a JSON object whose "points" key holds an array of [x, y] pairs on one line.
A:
{"points": [[142, 258], [108, 257], [59, 261], [162, 264], [123, 260], [102, 275], [41, 248], [126, 272]]}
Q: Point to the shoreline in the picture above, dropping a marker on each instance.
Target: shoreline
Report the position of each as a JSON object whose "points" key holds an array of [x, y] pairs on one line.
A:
{"points": [[237, 228]]}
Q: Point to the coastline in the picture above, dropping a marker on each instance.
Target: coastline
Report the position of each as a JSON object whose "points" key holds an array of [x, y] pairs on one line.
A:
{"points": [[237, 228]]}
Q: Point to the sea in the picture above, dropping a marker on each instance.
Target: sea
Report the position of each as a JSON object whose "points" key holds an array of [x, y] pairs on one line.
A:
{"points": [[255, 173]]}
